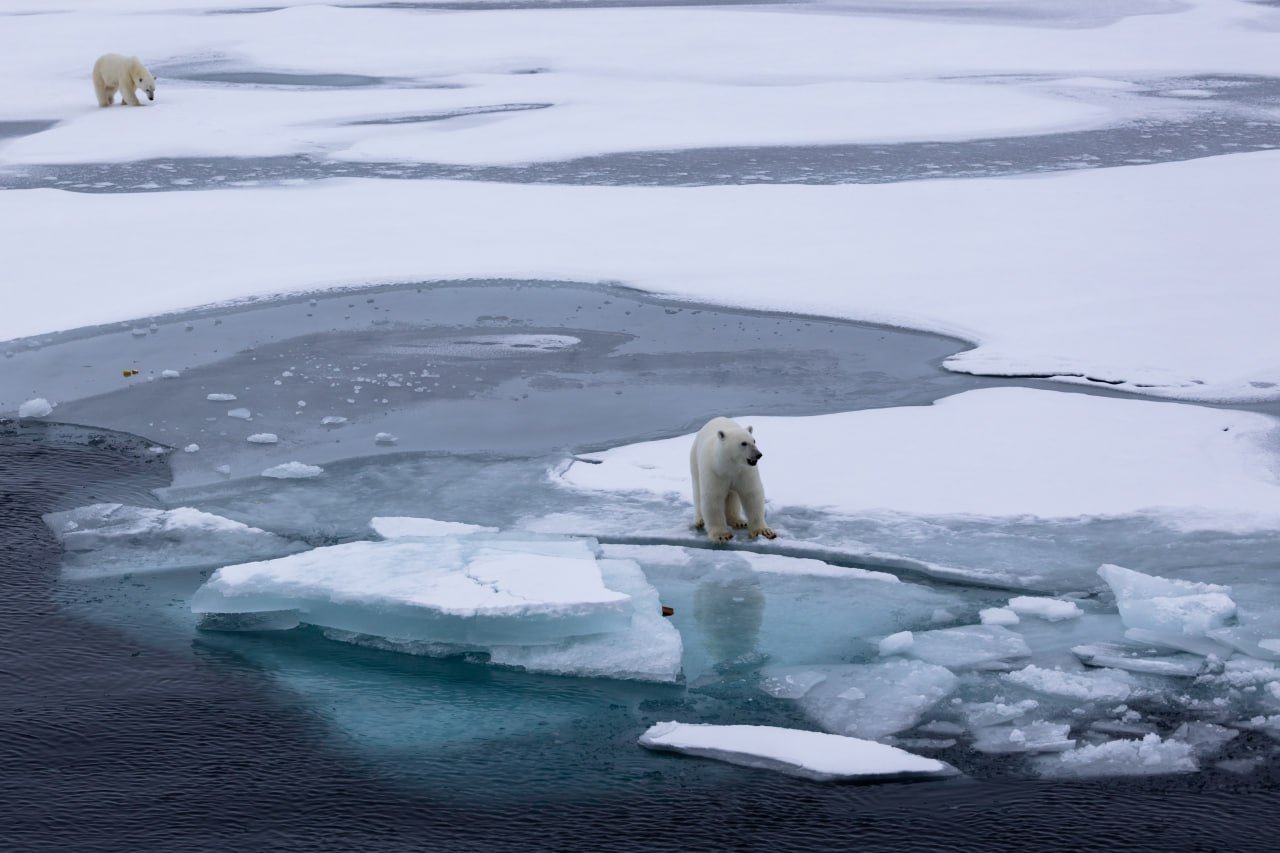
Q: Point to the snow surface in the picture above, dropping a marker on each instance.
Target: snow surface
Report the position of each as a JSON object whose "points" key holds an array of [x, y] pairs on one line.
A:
{"points": [[812, 755], [1025, 452], [481, 590]]}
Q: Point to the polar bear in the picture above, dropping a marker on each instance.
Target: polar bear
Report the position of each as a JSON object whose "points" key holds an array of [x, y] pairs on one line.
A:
{"points": [[726, 481], [125, 73]]}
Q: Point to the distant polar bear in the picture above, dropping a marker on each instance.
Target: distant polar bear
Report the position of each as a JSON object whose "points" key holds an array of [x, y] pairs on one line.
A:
{"points": [[114, 72], [726, 481]]}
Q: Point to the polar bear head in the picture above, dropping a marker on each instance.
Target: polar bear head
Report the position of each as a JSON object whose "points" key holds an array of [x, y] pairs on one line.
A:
{"points": [[142, 79], [739, 445]]}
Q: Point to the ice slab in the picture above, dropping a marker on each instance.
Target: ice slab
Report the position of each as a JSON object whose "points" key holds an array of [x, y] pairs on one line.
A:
{"points": [[398, 527], [111, 538], [811, 755], [37, 407], [1094, 686], [649, 648], [1196, 645], [1038, 736], [1050, 609], [864, 700], [998, 616], [1165, 605], [482, 590], [1139, 659], [1149, 756], [1244, 640], [968, 647]]}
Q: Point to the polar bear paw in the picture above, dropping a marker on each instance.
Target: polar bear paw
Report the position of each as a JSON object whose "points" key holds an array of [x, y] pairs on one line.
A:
{"points": [[766, 532], [722, 534], [738, 523]]}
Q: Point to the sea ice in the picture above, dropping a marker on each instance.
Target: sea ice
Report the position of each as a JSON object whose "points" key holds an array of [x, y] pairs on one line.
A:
{"points": [[866, 700], [1050, 609], [169, 374], [1096, 685], [1169, 606], [478, 590], [220, 398], [896, 644], [998, 616], [263, 438], [37, 407], [293, 471], [1138, 659], [397, 527], [649, 648], [812, 755], [112, 538], [981, 714], [1038, 736], [242, 414], [1149, 756], [969, 646]]}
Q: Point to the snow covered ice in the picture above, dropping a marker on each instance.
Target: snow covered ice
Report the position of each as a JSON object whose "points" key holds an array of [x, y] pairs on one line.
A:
{"points": [[813, 755]]}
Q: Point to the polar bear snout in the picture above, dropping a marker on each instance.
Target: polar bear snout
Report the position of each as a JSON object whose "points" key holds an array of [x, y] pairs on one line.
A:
{"points": [[752, 460]]}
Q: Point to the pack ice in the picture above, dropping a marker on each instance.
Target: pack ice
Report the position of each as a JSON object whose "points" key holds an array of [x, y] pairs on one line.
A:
{"points": [[109, 538], [811, 755], [545, 603]]}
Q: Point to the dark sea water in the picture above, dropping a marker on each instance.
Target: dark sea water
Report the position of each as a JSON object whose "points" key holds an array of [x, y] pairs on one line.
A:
{"points": [[109, 742]]}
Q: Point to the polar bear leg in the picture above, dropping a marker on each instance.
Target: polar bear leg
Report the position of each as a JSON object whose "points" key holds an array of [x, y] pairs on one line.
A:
{"points": [[698, 521], [106, 94], [733, 513], [752, 496], [713, 514], [130, 96]]}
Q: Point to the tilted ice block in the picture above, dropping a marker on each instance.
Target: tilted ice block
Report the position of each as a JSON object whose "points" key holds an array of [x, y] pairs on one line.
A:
{"points": [[112, 538], [481, 590], [648, 649], [1139, 659], [811, 755], [969, 646], [1148, 756], [1039, 736], [1172, 606], [1181, 642], [979, 714], [870, 700], [1110, 685]]}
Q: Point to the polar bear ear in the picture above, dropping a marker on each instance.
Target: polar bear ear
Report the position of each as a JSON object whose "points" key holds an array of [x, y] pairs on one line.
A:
{"points": [[720, 433], [748, 429]]}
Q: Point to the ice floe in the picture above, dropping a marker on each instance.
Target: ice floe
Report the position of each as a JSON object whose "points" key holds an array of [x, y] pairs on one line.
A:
{"points": [[812, 755], [112, 538]]}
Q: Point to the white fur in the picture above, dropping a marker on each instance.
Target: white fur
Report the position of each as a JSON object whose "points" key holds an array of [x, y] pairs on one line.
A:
{"points": [[113, 72], [726, 482]]}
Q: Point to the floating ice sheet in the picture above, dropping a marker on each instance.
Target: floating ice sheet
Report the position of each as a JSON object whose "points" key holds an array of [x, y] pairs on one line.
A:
{"points": [[812, 755], [480, 590], [111, 538], [1095, 685], [648, 648], [864, 700], [969, 646]]}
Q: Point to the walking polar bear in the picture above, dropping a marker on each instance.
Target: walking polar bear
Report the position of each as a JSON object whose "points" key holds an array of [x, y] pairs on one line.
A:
{"points": [[114, 72], [726, 482]]}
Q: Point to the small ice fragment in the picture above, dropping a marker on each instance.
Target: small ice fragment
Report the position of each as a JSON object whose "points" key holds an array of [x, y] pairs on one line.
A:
{"points": [[1148, 756], [220, 398], [1038, 736], [302, 404], [896, 644], [293, 471], [243, 414], [811, 755], [998, 616], [263, 438], [139, 332], [980, 714], [169, 374], [157, 449], [191, 448], [385, 438], [397, 527], [332, 420], [37, 407], [222, 469], [1049, 609]]}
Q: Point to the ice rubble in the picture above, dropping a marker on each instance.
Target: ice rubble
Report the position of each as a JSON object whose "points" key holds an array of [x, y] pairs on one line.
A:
{"points": [[544, 603], [811, 755], [112, 538], [1148, 756]]}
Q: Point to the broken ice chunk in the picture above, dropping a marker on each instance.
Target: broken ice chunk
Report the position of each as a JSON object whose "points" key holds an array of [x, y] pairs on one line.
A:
{"points": [[242, 414], [169, 374], [1049, 609], [1169, 606], [106, 539], [811, 755], [332, 420], [998, 616], [1247, 641], [979, 714], [896, 644], [220, 398], [293, 471], [396, 527], [480, 590], [1147, 756], [1138, 659], [263, 438], [969, 646], [1181, 642], [874, 700], [1095, 685], [1205, 739], [1038, 736], [385, 438], [37, 407]]}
